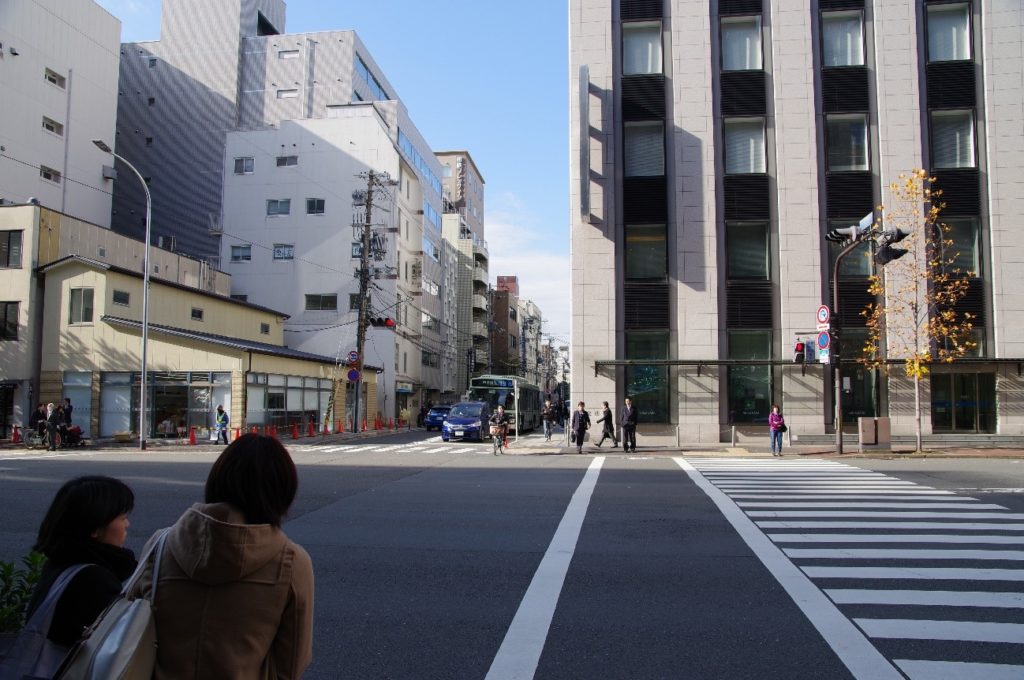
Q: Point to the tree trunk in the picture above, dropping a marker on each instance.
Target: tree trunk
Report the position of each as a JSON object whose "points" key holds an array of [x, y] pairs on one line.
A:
{"points": [[917, 409]]}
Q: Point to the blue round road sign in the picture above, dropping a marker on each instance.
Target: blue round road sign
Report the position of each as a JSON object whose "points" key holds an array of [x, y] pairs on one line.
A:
{"points": [[824, 340], [353, 375]]}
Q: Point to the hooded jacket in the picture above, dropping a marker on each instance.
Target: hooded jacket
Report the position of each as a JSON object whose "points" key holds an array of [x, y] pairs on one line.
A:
{"points": [[234, 600]]}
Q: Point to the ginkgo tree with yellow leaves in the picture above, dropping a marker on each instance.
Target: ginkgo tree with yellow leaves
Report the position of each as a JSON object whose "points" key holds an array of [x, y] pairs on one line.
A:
{"points": [[915, 322]]}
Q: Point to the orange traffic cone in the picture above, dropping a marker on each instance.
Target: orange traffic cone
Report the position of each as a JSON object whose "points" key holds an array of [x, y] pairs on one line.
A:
{"points": [[295, 431], [391, 423], [192, 436], [238, 433], [311, 430], [255, 430], [364, 424], [324, 433], [340, 427], [16, 435]]}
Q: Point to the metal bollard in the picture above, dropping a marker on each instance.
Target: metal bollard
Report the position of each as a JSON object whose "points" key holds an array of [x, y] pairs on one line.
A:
{"points": [[734, 436]]}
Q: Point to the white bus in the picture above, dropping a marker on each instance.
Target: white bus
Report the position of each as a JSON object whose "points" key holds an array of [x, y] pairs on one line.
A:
{"points": [[521, 400]]}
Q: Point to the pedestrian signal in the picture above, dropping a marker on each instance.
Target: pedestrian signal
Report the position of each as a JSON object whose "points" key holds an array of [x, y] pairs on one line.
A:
{"points": [[799, 352]]}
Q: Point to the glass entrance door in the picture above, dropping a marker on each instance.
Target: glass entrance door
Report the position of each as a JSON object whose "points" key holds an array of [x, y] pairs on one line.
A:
{"points": [[963, 402]]}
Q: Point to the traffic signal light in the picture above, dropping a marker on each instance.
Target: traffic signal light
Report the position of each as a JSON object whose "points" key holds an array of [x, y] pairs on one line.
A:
{"points": [[382, 322], [886, 253], [799, 352]]}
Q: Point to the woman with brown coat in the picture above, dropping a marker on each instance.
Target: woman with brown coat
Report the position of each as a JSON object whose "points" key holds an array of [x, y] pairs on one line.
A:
{"points": [[235, 597]]}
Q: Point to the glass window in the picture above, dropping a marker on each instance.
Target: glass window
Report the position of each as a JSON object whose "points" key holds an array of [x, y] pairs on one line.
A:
{"points": [[244, 166], [240, 297], [315, 206], [953, 139], [81, 305], [319, 302], [8, 320], [644, 149], [287, 54], [241, 253], [847, 142], [744, 146], [645, 252], [750, 387], [842, 40], [53, 126], [54, 78], [121, 297], [741, 43], [264, 329], [49, 174], [641, 48], [279, 206], [353, 302], [648, 386], [287, 94], [961, 245], [287, 161], [197, 314], [284, 251], [746, 250], [10, 249], [949, 32]]}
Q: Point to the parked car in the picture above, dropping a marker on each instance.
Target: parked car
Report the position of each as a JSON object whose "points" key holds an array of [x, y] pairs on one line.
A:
{"points": [[436, 417], [467, 420]]}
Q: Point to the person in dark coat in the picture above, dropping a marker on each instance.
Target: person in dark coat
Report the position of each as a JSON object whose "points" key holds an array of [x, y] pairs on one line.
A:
{"points": [[627, 421], [54, 419], [608, 429], [548, 416], [68, 408], [37, 421], [579, 426], [87, 523]]}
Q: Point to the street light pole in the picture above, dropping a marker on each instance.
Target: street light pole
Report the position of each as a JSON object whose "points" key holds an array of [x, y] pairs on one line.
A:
{"points": [[102, 146], [838, 332]]}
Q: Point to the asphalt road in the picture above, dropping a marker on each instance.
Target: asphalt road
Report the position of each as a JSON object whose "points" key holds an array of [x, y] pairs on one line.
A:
{"points": [[438, 560]]}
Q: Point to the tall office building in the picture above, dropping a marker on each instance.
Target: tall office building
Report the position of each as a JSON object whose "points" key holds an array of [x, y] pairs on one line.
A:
{"points": [[712, 147]]}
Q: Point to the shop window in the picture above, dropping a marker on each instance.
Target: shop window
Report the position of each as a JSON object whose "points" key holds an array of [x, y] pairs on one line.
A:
{"points": [[648, 386], [750, 387]]}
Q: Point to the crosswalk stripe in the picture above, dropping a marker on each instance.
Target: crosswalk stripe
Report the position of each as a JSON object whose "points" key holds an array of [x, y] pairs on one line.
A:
{"points": [[914, 629], [814, 490], [927, 598], [868, 504], [909, 515], [922, 573], [904, 554], [825, 524], [892, 538], [919, 669]]}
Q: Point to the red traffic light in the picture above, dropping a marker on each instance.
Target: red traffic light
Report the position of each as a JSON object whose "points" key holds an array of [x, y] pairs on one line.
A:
{"points": [[799, 352], [382, 322]]}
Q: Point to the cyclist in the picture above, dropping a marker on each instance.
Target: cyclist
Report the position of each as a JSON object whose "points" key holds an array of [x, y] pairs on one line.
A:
{"points": [[500, 418]]}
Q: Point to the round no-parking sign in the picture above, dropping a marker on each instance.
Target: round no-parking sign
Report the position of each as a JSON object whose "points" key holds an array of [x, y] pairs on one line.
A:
{"points": [[824, 340]]}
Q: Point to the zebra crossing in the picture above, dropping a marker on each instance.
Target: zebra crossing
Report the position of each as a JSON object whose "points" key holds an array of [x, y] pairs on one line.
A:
{"points": [[933, 580], [427, 446]]}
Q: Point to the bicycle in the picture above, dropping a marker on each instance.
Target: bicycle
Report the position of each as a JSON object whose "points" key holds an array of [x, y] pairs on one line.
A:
{"points": [[498, 438]]}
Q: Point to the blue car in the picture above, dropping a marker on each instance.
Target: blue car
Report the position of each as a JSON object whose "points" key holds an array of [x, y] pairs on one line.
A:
{"points": [[436, 417], [467, 420]]}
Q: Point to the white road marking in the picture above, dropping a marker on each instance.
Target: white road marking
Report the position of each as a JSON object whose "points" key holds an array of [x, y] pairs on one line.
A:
{"points": [[928, 598], [893, 538], [902, 554], [813, 490], [868, 504], [520, 651], [958, 670], [922, 573], [901, 515], [849, 643], [871, 496], [971, 631], [959, 526]]}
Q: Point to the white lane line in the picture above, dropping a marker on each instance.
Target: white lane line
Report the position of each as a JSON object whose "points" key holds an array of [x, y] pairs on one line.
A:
{"points": [[922, 669], [902, 554], [437, 450], [927, 598], [382, 449], [922, 573], [893, 538], [959, 526], [964, 514], [849, 644], [520, 651], [867, 504], [969, 631]]}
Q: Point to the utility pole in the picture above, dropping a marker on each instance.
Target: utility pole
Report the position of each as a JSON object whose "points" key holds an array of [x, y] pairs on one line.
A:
{"points": [[364, 294]]}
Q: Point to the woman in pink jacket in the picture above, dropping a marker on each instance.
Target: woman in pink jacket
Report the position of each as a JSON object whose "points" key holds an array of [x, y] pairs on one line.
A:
{"points": [[776, 426]]}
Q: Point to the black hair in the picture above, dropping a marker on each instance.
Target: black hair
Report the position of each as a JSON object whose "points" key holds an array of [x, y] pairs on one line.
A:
{"points": [[256, 475], [81, 507]]}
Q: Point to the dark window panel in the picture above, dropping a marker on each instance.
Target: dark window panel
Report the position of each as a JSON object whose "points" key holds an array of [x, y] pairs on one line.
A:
{"points": [[740, 7], [961, 191], [974, 303], [840, 4], [643, 97], [746, 197], [644, 200], [743, 93], [645, 305], [845, 89], [749, 304], [951, 85], [853, 299], [848, 193], [631, 10]]}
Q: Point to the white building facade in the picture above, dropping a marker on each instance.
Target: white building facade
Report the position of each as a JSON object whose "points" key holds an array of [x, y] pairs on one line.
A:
{"points": [[713, 146]]}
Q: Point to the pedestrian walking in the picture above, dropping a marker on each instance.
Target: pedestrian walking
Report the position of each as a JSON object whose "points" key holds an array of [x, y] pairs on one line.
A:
{"points": [[608, 429], [54, 419], [627, 421], [579, 426], [776, 426], [548, 416], [235, 594], [222, 420]]}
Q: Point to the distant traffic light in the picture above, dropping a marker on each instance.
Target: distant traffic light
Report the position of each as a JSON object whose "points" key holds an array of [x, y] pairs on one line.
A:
{"points": [[886, 253], [382, 322], [799, 352]]}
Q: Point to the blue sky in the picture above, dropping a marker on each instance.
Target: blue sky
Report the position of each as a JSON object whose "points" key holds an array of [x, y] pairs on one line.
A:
{"points": [[487, 77]]}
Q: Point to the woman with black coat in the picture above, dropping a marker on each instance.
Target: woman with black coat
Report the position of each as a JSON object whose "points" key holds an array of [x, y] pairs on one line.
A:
{"points": [[87, 523]]}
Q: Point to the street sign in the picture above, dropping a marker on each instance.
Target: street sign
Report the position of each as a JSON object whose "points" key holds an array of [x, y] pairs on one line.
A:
{"points": [[824, 341], [353, 375], [824, 314], [823, 327], [353, 357], [823, 356]]}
